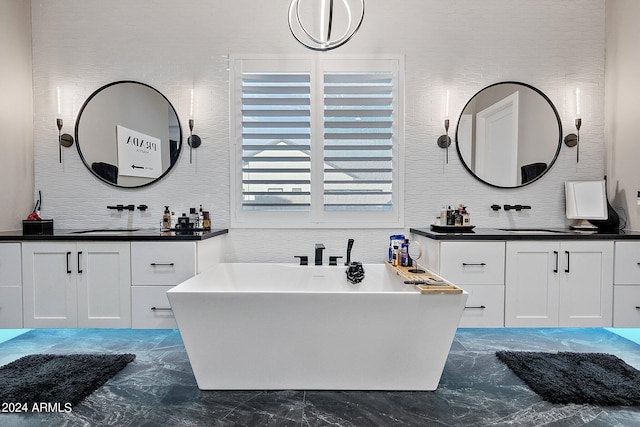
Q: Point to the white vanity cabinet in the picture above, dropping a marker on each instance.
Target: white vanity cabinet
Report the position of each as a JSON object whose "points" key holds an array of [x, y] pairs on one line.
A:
{"points": [[559, 283], [76, 284], [626, 285], [476, 267], [10, 286]]}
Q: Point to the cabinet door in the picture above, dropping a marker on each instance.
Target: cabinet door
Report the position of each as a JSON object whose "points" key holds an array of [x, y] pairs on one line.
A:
{"points": [[11, 307], [626, 269], [162, 264], [150, 308], [484, 307], [10, 264], [532, 281], [626, 300], [10, 285], [472, 263], [586, 288], [104, 282], [49, 285]]}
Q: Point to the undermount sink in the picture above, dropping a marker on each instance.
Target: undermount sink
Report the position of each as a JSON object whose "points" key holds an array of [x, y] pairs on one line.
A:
{"points": [[106, 232], [530, 230]]}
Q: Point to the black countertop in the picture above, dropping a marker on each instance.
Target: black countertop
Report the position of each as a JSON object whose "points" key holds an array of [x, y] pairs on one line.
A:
{"points": [[527, 234], [118, 235]]}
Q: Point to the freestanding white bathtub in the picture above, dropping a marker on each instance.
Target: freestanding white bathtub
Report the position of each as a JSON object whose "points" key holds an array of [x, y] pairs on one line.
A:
{"points": [[285, 326]]}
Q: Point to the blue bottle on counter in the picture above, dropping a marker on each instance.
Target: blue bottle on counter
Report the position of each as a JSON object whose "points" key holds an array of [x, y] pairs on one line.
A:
{"points": [[395, 240]]}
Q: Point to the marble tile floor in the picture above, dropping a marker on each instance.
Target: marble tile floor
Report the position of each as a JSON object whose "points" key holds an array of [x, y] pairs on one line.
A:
{"points": [[159, 389]]}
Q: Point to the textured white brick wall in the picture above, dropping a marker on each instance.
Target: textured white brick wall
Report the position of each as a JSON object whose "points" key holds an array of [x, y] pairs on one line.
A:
{"points": [[460, 45]]}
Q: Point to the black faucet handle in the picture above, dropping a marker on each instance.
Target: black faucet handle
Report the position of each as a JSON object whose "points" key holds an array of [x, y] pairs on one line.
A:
{"points": [[333, 259], [304, 260]]}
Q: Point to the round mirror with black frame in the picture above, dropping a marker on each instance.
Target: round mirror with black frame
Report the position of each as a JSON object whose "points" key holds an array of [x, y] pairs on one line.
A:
{"points": [[509, 134], [128, 134]]}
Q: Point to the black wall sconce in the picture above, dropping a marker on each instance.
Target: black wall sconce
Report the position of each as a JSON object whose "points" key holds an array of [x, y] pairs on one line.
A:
{"points": [[444, 141], [64, 139], [194, 141], [573, 139]]}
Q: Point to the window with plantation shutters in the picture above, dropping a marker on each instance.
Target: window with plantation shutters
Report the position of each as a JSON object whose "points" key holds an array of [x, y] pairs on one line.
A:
{"points": [[358, 141], [276, 141], [317, 141]]}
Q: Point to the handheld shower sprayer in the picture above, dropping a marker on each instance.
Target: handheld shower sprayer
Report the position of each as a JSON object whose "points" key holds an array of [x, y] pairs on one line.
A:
{"points": [[349, 247]]}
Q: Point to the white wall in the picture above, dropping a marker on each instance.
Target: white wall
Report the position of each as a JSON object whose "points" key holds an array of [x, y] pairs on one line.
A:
{"points": [[459, 45], [16, 113], [622, 112]]}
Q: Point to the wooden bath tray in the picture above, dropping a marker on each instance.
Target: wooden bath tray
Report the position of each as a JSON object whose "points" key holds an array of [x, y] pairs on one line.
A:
{"points": [[427, 276]]}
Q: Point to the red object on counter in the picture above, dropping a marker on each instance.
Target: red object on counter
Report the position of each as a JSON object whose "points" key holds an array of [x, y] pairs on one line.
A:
{"points": [[33, 216]]}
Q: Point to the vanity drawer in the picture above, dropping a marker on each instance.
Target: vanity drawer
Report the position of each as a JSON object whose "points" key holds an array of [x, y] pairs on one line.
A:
{"points": [[150, 308], [472, 263], [162, 264], [11, 307], [484, 307], [626, 306], [10, 264], [626, 267]]}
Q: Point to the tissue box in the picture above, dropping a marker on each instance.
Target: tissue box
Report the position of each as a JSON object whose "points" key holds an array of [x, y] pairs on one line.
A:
{"points": [[37, 228]]}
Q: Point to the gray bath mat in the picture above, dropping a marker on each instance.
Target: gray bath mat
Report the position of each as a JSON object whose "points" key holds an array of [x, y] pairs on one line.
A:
{"points": [[61, 381], [584, 378]]}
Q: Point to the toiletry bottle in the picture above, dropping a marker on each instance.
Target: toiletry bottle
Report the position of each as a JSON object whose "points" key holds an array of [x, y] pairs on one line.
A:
{"points": [[206, 220], [443, 216], [193, 218], [404, 253], [183, 222], [466, 218], [450, 216], [395, 260], [201, 217], [166, 218], [391, 243]]}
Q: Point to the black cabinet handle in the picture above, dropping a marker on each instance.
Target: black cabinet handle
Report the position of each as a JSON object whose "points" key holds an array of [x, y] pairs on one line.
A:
{"points": [[160, 308], [466, 264], [79, 262], [68, 268], [555, 270], [161, 264], [479, 307], [637, 308], [568, 259]]}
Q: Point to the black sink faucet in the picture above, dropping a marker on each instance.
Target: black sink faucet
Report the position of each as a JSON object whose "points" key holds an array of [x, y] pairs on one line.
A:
{"points": [[319, 249], [516, 207]]}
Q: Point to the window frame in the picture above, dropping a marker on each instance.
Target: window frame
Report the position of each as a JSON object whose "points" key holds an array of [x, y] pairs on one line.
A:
{"points": [[317, 216]]}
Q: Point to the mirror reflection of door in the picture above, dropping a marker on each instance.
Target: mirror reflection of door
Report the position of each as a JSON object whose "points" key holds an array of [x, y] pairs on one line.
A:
{"points": [[508, 135], [496, 157], [465, 136]]}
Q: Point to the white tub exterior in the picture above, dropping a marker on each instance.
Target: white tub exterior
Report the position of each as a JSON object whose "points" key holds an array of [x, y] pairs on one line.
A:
{"points": [[284, 326]]}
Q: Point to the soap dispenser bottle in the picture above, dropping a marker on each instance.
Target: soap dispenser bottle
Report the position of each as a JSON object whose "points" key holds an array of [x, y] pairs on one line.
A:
{"points": [[166, 218]]}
